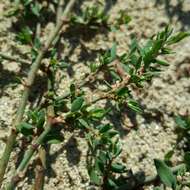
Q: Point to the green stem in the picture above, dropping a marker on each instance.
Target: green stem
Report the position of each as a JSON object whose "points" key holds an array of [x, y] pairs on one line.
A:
{"points": [[29, 82], [32, 149]]}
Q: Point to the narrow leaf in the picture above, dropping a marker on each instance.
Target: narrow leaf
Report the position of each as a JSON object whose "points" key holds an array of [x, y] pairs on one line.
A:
{"points": [[94, 177], [178, 37], [134, 106], [117, 168], [77, 104], [165, 174]]}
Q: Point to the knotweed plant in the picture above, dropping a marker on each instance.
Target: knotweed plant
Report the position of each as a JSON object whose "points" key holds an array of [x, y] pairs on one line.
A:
{"points": [[40, 126]]}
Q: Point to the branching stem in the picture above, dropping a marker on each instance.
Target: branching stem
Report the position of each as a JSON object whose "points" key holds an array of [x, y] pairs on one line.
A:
{"points": [[32, 149], [29, 81]]}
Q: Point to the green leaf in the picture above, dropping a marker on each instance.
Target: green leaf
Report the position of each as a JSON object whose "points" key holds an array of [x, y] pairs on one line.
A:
{"points": [[24, 125], [178, 37], [182, 123], [98, 113], [25, 36], [165, 174], [37, 43], [37, 117], [63, 64], [161, 62], [105, 128], [111, 133], [113, 51], [103, 157], [134, 106], [112, 184], [94, 177], [84, 123], [117, 148], [124, 18], [117, 168], [115, 75], [41, 119], [54, 138], [54, 141], [128, 68], [123, 91], [25, 128], [77, 104], [93, 67], [36, 9], [168, 155]]}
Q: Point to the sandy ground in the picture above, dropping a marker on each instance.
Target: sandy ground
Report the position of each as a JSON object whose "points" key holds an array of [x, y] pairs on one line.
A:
{"points": [[166, 96]]}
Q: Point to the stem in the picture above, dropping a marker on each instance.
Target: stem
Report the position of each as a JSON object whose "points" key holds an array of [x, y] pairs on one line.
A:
{"points": [[11, 58], [59, 11], [32, 149], [29, 82], [40, 169]]}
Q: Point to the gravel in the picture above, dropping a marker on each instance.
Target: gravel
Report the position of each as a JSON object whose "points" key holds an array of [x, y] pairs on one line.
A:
{"points": [[166, 96]]}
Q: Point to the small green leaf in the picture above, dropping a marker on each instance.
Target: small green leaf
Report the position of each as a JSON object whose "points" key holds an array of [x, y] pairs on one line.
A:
{"points": [[115, 75], [103, 157], [117, 148], [113, 51], [117, 168], [178, 37], [84, 123], [77, 104], [124, 18], [24, 125], [54, 141], [123, 91], [168, 156], [63, 64], [25, 128], [94, 177], [165, 174], [98, 113], [93, 67], [134, 106], [36, 9], [37, 43], [105, 128], [161, 62], [54, 138], [182, 123], [112, 184], [111, 133], [25, 36]]}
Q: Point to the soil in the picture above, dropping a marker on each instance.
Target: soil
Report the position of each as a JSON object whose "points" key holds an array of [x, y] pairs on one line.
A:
{"points": [[144, 137]]}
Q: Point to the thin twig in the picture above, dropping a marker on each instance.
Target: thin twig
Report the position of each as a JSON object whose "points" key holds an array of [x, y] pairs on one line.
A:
{"points": [[29, 82], [12, 58]]}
